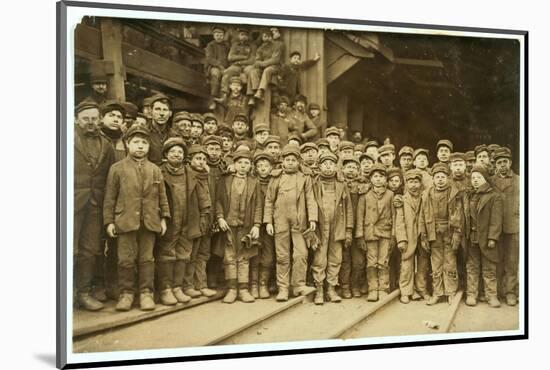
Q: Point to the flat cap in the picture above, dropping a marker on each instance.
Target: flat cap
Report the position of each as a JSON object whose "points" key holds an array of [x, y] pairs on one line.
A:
{"points": [[394, 171], [444, 142], [378, 167], [85, 104], [332, 131], [290, 150], [196, 148], [457, 156], [158, 97], [209, 117], [172, 142], [493, 147], [482, 170], [241, 153], [413, 174], [236, 79], [273, 139], [440, 167], [225, 131], [218, 28], [480, 148], [313, 106], [406, 150], [370, 143], [366, 156], [241, 117], [259, 127], [350, 158], [301, 98], [130, 109], [418, 151], [135, 130], [322, 142], [307, 146], [328, 156], [212, 140], [111, 105], [243, 29], [359, 148], [197, 117], [346, 145], [283, 99], [503, 152], [295, 137], [386, 149], [341, 125], [470, 155], [260, 154]]}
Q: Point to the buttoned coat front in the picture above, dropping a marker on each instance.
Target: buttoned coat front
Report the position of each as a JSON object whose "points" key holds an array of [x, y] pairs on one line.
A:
{"points": [[343, 216]]}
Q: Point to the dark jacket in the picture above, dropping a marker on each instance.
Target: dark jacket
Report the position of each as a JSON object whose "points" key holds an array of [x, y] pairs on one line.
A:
{"points": [[489, 221], [90, 179], [407, 216], [372, 222], [216, 55], [455, 213], [156, 141], [508, 186], [199, 203], [343, 215], [132, 199], [269, 54], [289, 77], [242, 53]]}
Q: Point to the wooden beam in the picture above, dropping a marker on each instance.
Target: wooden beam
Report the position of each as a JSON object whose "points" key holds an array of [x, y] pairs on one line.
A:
{"points": [[111, 42], [338, 68]]}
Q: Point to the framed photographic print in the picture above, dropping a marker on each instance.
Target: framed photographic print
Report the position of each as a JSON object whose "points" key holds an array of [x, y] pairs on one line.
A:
{"points": [[238, 184]]}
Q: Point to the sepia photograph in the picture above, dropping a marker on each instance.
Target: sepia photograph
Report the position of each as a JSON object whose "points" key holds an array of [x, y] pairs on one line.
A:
{"points": [[244, 184]]}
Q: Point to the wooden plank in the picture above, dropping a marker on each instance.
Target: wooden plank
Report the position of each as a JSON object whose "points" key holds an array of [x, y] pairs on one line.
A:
{"points": [[348, 45], [419, 62], [280, 307], [111, 43], [338, 68], [453, 309], [87, 41], [185, 78], [85, 323]]}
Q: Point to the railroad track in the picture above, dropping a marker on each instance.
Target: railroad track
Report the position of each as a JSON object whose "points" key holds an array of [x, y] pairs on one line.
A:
{"points": [[268, 321]]}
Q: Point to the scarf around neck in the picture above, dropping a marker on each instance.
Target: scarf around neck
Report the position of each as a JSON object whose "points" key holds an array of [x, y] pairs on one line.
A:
{"points": [[112, 134]]}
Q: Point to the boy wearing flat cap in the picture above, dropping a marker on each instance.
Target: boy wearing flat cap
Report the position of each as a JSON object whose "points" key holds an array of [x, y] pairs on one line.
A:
{"points": [[443, 149], [262, 265], [93, 156], [310, 155], [236, 102], [112, 120], [470, 159], [374, 229], [442, 226], [239, 216], [210, 125], [371, 148], [240, 128], [406, 158], [290, 209], [195, 278], [387, 155], [216, 59], [486, 216], [335, 228], [407, 233], [174, 248], [302, 125], [483, 157], [135, 224], [161, 112], [420, 161], [507, 182], [273, 147], [314, 113], [289, 75], [353, 259], [332, 134], [261, 133]]}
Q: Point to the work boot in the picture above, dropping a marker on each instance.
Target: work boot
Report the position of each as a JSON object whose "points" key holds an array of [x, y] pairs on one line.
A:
{"points": [[263, 292], [433, 300], [208, 292], [254, 290], [471, 301], [404, 299], [146, 301], [382, 294], [259, 94], [372, 296], [251, 101], [356, 292], [332, 295], [245, 296], [167, 297], [282, 296], [450, 298], [86, 301], [416, 296], [511, 299], [180, 295], [426, 296], [319, 295], [299, 291], [125, 302], [264, 279], [364, 288], [192, 292], [230, 296], [346, 292], [493, 302], [100, 294]]}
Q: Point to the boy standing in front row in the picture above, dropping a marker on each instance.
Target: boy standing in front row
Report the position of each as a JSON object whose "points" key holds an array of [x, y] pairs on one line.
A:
{"points": [[373, 228], [135, 223], [290, 207], [239, 215]]}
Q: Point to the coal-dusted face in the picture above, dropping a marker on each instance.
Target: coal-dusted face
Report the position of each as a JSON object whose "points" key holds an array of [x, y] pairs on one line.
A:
{"points": [[88, 120], [175, 156], [138, 146]]}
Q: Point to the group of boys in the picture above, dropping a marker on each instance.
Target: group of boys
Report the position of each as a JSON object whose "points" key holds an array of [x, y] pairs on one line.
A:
{"points": [[189, 208]]}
